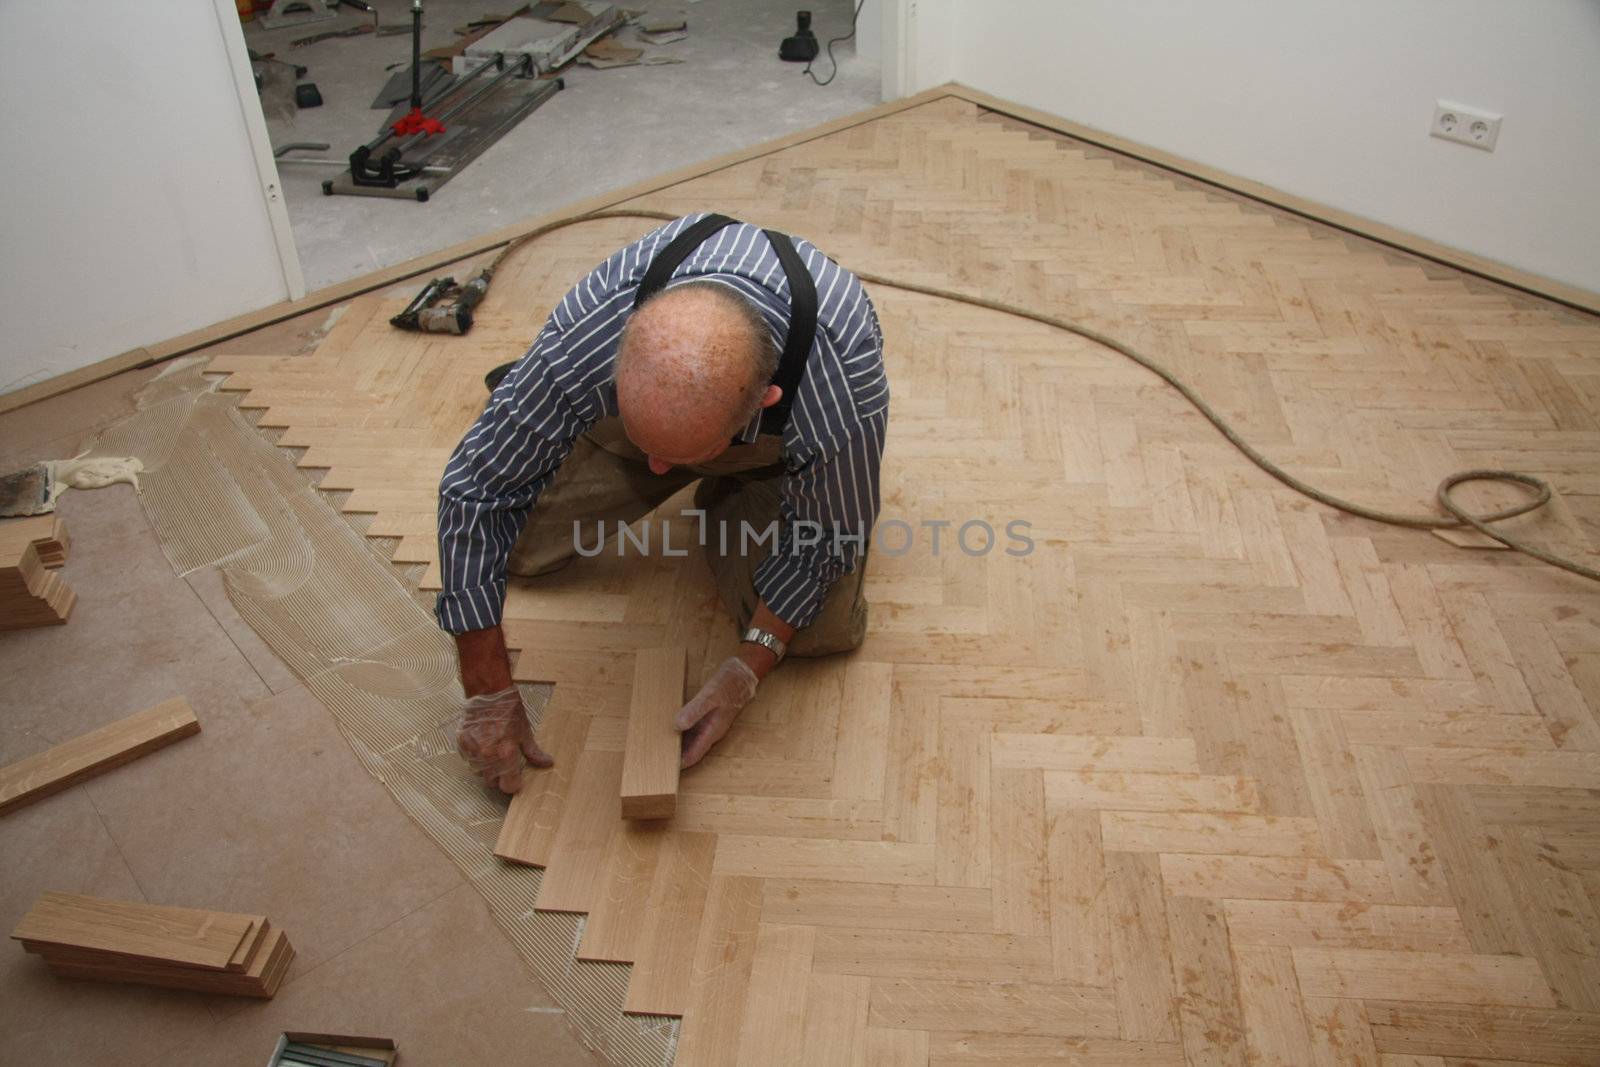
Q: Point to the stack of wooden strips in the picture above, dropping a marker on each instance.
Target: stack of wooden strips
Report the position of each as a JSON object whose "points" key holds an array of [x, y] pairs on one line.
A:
{"points": [[182, 948], [31, 592], [48, 534]]}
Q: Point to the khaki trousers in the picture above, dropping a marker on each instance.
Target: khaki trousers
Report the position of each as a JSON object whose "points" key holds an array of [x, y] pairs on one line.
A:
{"points": [[607, 480]]}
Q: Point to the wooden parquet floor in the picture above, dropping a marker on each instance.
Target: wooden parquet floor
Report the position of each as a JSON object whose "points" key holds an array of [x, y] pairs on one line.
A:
{"points": [[1214, 775]]}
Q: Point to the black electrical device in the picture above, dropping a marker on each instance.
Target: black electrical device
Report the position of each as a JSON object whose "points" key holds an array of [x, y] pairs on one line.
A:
{"points": [[802, 47]]}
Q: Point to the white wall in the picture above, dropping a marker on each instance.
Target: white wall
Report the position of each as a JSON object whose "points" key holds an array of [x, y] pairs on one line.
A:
{"points": [[131, 205], [1331, 102]]}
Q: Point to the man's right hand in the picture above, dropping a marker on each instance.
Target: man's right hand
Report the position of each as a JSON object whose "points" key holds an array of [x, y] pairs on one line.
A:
{"points": [[494, 734]]}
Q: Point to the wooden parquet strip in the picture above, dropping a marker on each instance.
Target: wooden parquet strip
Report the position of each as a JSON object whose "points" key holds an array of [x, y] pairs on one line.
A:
{"points": [[1209, 775]]}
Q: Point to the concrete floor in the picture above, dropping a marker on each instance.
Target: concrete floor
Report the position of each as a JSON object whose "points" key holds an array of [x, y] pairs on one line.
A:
{"points": [[606, 130], [265, 811]]}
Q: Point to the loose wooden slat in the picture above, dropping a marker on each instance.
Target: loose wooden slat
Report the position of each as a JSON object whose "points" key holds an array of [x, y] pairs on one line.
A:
{"points": [[95, 752], [650, 761], [187, 936]]}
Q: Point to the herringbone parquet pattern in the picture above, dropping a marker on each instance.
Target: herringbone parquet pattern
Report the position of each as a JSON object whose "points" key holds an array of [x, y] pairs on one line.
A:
{"points": [[1214, 775]]}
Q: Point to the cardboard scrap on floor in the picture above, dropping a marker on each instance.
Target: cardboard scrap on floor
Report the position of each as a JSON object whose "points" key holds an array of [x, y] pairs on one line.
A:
{"points": [[662, 23], [609, 53], [567, 12], [603, 55], [147, 944]]}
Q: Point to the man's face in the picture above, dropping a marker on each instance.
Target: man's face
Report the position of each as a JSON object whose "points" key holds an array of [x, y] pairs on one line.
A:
{"points": [[661, 464], [676, 440], [671, 445]]}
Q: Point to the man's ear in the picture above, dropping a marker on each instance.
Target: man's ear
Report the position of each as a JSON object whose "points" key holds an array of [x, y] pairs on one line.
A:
{"points": [[771, 396]]}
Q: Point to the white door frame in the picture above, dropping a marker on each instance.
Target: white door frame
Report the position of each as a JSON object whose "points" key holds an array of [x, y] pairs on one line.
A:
{"points": [[255, 124], [898, 58]]}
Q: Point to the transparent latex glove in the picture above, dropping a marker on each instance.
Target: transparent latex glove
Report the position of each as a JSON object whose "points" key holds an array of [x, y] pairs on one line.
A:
{"points": [[708, 716], [494, 735]]}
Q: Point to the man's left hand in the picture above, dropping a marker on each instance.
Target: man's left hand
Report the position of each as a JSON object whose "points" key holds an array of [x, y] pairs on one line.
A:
{"points": [[705, 719]]}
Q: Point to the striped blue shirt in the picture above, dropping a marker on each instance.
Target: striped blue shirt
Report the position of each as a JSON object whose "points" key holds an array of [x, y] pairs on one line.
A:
{"points": [[832, 443]]}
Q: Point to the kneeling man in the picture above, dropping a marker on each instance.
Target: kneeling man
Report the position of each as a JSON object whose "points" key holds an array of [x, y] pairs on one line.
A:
{"points": [[709, 351]]}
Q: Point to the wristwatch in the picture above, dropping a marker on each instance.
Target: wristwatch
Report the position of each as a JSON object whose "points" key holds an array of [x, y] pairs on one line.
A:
{"points": [[769, 641]]}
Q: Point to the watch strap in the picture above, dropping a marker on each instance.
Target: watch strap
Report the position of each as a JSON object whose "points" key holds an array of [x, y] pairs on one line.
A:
{"points": [[767, 640]]}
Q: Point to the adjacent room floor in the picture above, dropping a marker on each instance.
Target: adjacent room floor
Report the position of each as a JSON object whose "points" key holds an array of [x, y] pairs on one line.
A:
{"points": [[1211, 774], [607, 129]]}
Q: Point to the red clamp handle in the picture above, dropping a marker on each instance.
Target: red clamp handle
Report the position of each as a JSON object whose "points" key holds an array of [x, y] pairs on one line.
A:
{"points": [[414, 121]]}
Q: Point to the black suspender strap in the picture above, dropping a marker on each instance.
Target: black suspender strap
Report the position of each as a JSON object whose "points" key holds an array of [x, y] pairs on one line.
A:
{"points": [[802, 331], [802, 305], [679, 249]]}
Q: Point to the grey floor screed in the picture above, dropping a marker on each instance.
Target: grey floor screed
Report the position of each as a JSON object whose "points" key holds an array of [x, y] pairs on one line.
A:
{"points": [[606, 130]]}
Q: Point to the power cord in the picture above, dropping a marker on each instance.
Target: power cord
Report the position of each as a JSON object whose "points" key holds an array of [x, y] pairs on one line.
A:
{"points": [[835, 72], [1456, 516]]}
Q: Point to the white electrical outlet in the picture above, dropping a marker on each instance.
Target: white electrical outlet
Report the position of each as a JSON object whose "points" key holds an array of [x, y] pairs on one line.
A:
{"points": [[1467, 125]]}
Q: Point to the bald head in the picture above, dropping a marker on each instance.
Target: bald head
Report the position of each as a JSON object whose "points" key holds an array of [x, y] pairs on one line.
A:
{"points": [[695, 363]]}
